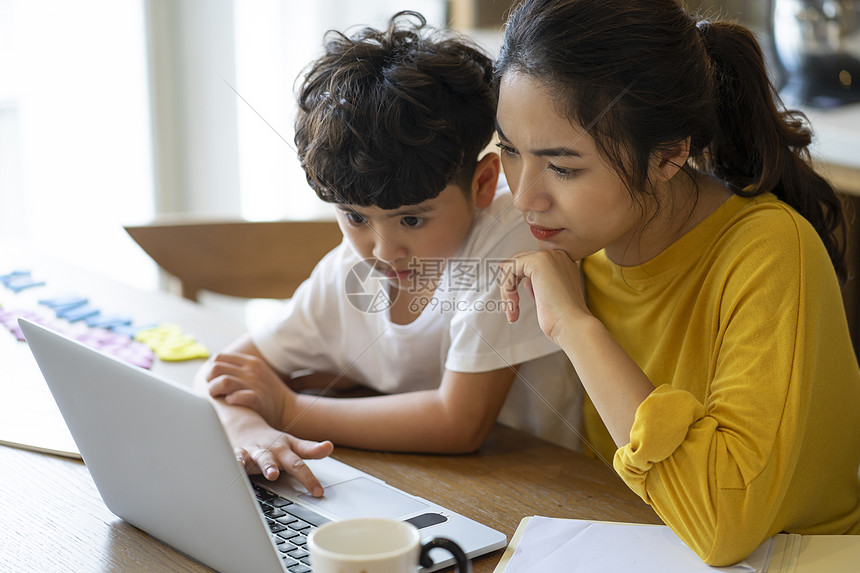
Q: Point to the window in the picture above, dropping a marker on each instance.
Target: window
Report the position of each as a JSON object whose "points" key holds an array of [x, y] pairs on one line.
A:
{"points": [[114, 110], [74, 131], [275, 40]]}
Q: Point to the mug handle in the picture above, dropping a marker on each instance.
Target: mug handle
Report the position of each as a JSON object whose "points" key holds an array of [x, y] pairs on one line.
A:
{"points": [[463, 564]]}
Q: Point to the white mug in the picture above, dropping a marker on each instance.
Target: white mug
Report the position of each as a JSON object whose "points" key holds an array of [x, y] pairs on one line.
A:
{"points": [[374, 545]]}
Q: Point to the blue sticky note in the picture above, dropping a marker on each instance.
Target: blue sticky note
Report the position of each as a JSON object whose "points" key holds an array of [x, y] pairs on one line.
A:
{"points": [[5, 279], [80, 313], [62, 310], [21, 282], [63, 301], [108, 321]]}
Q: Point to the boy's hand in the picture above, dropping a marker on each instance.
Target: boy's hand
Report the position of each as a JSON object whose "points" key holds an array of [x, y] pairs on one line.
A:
{"points": [[262, 449], [247, 380]]}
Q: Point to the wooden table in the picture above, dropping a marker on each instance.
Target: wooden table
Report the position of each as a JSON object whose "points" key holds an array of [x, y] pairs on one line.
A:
{"points": [[52, 518]]}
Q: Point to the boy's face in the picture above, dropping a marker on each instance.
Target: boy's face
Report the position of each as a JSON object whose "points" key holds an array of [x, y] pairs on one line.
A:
{"points": [[429, 231]]}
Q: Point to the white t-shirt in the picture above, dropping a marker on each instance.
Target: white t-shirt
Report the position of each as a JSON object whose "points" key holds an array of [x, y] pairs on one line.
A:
{"points": [[338, 322]]}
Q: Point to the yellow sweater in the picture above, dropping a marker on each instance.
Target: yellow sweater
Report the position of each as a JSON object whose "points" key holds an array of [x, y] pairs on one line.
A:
{"points": [[754, 425]]}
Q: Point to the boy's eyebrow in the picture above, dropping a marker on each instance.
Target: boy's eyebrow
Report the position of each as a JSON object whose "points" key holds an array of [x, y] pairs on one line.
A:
{"points": [[412, 210], [405, 211], [548, 152]]}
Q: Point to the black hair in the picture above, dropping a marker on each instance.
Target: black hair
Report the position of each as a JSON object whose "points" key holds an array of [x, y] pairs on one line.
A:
{"points": [[391, 117], [644, 75]]}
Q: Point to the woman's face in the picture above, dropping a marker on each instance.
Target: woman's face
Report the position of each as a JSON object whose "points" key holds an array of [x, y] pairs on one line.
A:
{"points": [[571, 198]]}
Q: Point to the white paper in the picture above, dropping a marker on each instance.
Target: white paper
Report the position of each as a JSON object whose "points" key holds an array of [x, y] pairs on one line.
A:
{"points": [[573, 545], [29, 417]]}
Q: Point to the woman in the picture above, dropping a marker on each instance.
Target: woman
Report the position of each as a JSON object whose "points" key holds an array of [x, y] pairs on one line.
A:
{"points": [[691, 266]]}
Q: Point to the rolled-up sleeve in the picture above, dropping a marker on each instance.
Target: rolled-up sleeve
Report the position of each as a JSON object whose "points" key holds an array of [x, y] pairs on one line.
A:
{"points": [[721, 514], [678, 412]]}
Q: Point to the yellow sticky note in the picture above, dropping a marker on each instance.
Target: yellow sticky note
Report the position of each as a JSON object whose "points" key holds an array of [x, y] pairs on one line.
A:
{"points": [[178, 352], [171, 344]]}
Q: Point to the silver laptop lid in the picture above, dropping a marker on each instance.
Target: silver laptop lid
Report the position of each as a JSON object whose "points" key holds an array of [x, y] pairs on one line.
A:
{"points": [[157, 453]]}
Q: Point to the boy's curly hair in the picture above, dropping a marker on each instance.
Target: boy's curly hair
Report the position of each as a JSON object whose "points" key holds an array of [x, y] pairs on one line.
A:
{"points": [[390, 118]]}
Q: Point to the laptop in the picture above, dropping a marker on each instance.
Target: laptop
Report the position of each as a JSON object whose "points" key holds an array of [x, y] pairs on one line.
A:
{"points": [[161, 461]]}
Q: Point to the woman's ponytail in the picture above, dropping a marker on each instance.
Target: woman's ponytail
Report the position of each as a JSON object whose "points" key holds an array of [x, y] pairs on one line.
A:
{"points": [[760, 148]]}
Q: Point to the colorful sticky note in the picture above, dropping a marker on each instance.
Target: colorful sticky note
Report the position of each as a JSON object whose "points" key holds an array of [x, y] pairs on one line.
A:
{"points": [[118, 345], [9, 319], [108, 321], [63, 301], [171, 344], [62, 310], [80, 313], [8, 277], [19, 283]]}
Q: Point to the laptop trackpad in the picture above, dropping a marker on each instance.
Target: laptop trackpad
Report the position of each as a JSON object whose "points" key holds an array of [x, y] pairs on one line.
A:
{"points": [[363, 497]]}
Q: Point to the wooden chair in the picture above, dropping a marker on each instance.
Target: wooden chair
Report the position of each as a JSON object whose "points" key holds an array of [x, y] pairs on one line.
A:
{"points": [[237, 258]]}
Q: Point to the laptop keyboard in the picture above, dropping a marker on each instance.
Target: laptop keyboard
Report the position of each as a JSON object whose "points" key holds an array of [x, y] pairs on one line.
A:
{"points": [[290, 525]]}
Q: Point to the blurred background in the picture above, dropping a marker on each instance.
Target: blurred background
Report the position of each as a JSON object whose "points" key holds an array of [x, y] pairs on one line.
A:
{"points": [[114, 112]]}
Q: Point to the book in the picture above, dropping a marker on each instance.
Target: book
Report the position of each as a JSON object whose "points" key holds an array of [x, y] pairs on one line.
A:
{"points": [[29, 417], [552, 544]]}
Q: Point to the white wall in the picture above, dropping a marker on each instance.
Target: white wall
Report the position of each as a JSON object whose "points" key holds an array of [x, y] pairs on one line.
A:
{"points": [[74, 130], [275, 40]]}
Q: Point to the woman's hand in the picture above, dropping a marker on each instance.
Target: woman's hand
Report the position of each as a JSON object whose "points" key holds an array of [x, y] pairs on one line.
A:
{"points": [[555, 282], [247, 380], [613, 381]]}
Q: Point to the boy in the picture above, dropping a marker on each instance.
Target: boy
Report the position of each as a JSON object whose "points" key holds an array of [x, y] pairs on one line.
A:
{"points": [[390, 128]]}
